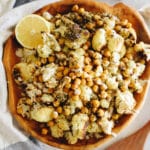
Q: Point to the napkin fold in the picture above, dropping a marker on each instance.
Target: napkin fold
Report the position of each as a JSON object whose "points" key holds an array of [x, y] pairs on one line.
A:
{"points": [[12, 137], [6, 5]]}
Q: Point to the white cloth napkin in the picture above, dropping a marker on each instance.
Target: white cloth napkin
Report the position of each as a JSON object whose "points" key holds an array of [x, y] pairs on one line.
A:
{"points": [[10, 132]]}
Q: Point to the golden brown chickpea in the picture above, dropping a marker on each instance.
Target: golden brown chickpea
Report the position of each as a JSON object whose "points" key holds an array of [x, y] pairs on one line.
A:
{"points": [[51, 59], [56, 103], [95, 103], [100, 112], [75, 8], [44, 131], [93, 118], [84, 110], [87, 68], [67, 111], [50, 123], [66, 71], [95, 88], [55, 114], [59, 109]]}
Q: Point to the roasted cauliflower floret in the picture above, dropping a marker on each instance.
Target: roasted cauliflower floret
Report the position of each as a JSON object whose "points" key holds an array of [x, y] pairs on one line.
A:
{"points": [[106, 125], [70, 138], [94, 128], [42, 114], [79, 126], [125, 102], [99, 39], [115, 42], [62, 123], [49, 45], [47, 98], [86, 92], [56, 131], [23, 72], [48, 71]]}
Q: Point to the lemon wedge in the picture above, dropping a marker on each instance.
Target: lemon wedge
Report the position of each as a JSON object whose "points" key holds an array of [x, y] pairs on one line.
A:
{"points": [[28, 30]]}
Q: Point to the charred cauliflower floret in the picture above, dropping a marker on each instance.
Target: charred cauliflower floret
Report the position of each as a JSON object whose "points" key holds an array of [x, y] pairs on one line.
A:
{"points": [[73, 34], [49, 45], [23, 72], [106, 125], [125, 102], [79, 126], [94, 128], [48, 71], [56, 131], [42, 114], [62, 123]]}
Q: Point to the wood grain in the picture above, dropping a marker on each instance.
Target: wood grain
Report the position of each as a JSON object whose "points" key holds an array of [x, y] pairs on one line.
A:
{"points": [[133, 142]]}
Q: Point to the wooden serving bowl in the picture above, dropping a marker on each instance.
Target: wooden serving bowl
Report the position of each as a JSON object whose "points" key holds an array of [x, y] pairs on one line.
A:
{"points": [[64, 6]]}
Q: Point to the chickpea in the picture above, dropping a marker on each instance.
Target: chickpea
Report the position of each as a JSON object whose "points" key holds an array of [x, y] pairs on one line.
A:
{"points": [[67, 111], [90, 25], [92, 118], [100, 112], [61, 41], [75, 8], [107, 53], [19, 110], [43, 60], [98, 81], [29, 101], [55, 114], [78, 74], [68, 86], [83, 81], [81, 10], [77, 81], [66, 71], [97, 17], [87, 60], [44, 131], [103, 87], [95, 103], [103, 94], [99, 23], [56, 103], [72, 75], [94, 110], [51, 59], [97, 62], [117, 27], [60, 68], [115, 116], [124, 22], [85, 47], [75, 97], [90, 83], [59, 75], [74, 86], [84, 110], [59, 109], [88, 68], [95, 88], [50, 123], [129, 25]]}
